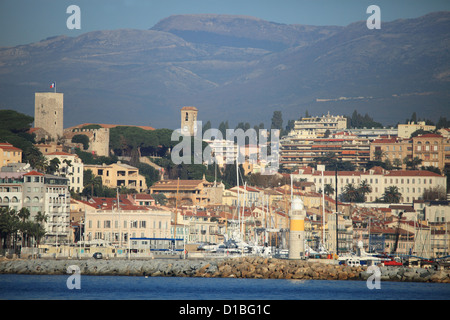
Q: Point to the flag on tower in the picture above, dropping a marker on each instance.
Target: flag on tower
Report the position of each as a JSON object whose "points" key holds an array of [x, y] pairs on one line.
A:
{"points": [[52, 85]]}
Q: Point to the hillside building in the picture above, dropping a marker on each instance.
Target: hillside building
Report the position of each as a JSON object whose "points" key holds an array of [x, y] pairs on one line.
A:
{"points": [[9, 154], [189, 192], [405, 130], [316, 127], [71, 167], [119, 175]]}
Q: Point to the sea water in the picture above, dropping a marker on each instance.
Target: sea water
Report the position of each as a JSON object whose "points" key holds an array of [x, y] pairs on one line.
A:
{"points": [[56, 287]]}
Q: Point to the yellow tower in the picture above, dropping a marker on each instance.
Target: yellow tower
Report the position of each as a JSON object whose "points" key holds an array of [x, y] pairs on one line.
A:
{"points": [[297, 230]]}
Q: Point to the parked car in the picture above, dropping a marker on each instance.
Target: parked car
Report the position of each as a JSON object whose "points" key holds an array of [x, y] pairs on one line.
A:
{"points": [[98, 255]]}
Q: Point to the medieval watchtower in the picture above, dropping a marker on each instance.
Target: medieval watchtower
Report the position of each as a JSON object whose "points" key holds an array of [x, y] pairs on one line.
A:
{"points": [[48, 113]]}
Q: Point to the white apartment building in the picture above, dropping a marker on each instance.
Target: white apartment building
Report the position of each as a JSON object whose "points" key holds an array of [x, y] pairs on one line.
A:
{"points": [[39, 192], [222, 151], [411, 183], [71, 167], [315, 127]]}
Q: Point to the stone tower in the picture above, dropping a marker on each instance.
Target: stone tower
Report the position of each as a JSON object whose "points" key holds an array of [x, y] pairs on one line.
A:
{"points": [[48, 113], [189, 121]]}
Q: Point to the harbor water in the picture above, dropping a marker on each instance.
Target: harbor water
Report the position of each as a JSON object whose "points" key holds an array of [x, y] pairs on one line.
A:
{"points": [[57, 287]]}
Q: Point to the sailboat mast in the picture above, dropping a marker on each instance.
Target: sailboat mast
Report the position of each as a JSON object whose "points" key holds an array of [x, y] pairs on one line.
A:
{"points": [[237, 203]]}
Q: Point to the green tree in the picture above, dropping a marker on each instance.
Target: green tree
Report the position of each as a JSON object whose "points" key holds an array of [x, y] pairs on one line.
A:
{"points": [[223, 126], [151, 174], [364, 188], [350, 194], [9, 225], [392, 195], [83, 139], [328, 189], [206, 126], [379, 154], [160, 198], [53, 166], [38, 231], [277, 121], [397, 163]]}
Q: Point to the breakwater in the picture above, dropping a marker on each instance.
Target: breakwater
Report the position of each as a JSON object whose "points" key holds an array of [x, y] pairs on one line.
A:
{"points": [[246, 267]]}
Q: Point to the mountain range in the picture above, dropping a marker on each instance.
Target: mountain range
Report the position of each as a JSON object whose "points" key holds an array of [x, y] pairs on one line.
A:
{"points": [[237, 68]]}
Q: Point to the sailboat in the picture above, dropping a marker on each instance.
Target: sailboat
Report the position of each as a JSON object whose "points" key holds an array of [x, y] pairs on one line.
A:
{"points": [[360, 258]]}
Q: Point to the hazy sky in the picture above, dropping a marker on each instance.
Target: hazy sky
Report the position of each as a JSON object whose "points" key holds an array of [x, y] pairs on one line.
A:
{"points": [[26, 21]]}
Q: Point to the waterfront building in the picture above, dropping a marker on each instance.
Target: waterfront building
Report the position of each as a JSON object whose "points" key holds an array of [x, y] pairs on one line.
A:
{"points": [[113, 223], [203, 225], [345, 233], [39, 193]]}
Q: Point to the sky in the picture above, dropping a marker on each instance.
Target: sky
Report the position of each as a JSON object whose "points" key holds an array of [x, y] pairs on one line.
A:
{"points": [[28, 21]]}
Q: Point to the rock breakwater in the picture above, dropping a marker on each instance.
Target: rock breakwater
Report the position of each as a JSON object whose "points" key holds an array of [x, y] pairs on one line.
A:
{"points": [[248, 267]]}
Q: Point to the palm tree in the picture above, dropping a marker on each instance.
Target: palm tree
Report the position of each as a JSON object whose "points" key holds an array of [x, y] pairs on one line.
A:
{"points": [[364, 188], [38, 229], [23, 214], [416, 162], [9, 225], [350, 193], [328, 189], [379, 154], [392, 195]]}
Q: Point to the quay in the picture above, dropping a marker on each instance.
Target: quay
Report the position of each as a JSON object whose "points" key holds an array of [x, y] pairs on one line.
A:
{"points": [[239, 267]]}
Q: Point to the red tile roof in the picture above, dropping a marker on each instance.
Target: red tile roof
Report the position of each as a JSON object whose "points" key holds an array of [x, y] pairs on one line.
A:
{"points": [[416, 173], [58, 153], [33, 173], [429, 135], [8, 146]]}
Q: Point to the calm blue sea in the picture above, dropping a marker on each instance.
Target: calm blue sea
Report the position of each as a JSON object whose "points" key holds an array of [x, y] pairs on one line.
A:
{"points": [[41, 287]]}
